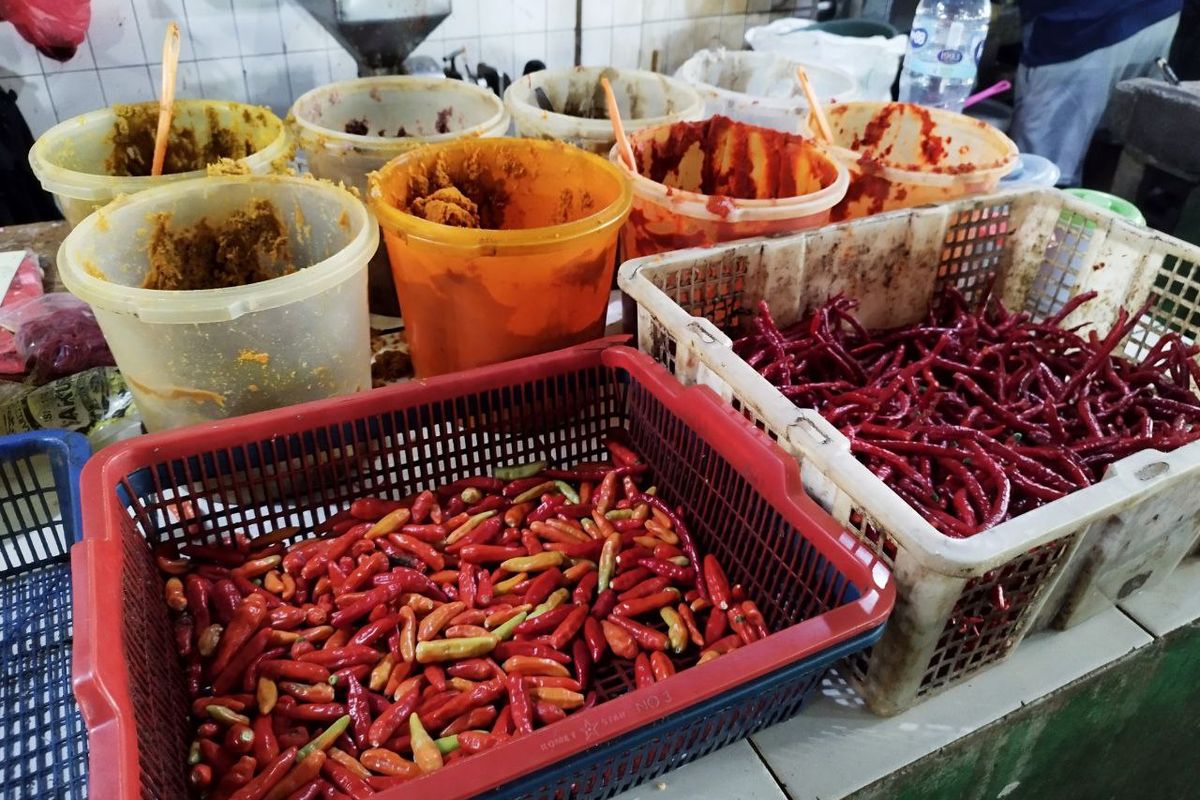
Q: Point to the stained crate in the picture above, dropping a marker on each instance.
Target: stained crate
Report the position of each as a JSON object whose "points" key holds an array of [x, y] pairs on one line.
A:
{"points": [[825, 594], [961, 604], [43, 749]]}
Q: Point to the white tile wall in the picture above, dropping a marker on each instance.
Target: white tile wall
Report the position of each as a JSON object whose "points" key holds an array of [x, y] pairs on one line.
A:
{"points": [[271, 51]]}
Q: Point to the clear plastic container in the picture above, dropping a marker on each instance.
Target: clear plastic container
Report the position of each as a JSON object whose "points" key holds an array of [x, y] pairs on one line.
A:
{"points": [[699, 183], [645, 99], [192, 356], [902, 155], [537, 280], [761, 88], [425, 110], [72, 159]]}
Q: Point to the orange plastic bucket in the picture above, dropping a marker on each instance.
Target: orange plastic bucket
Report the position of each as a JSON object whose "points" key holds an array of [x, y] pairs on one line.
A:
{"points": [[902, 155], [699, 183], [534, 276]]}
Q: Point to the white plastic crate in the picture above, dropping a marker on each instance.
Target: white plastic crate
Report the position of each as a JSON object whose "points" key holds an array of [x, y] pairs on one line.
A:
{"points": [[962, 604]]}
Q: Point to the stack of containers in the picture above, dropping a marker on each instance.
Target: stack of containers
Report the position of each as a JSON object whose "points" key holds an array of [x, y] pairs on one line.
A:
{"points": [[348, 129], [963, 604]]}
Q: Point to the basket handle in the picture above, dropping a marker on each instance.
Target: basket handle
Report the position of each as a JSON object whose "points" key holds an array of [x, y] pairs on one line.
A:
{"points": [[99, 675]]}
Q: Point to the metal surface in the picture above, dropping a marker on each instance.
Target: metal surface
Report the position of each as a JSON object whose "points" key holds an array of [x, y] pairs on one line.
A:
{"points": [[379, 33]]}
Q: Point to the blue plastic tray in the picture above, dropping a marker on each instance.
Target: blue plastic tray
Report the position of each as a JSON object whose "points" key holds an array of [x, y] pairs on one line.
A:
{"points": [[43, 743]]}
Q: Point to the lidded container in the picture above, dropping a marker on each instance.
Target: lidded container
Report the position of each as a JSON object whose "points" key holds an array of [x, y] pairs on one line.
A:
{"points": [[902, 155], [580, 116], [699, 183], [533, 275], [191, 355], [761, 88], [88, 160]]}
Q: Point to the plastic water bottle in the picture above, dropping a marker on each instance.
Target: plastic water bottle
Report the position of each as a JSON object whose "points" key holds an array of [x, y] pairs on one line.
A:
{"points": [[943, 52]]}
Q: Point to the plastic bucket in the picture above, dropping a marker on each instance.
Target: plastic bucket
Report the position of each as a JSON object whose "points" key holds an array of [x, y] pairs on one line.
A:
{"points": [[191, 356], [426, 110], [645, 99], [536, 278], [761, 88], [902, 155], [74, 159], [699, 183]]}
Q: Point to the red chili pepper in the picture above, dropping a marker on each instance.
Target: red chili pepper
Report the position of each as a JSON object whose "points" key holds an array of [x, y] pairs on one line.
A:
{"points": [[717, 583], [489, 553], [388, 722], [544, 622], [294, 670], [689, 620], [755, 619], [519, 705], [718, 623], [541, 586], [643, 674], [651, 602], [593, 635], [249, 615], [347, 781], [266, 746], [506, 650], [503, 725], [646, 637], [298, 777], [619, 640], [605, 601], [234, 668], [627, 580]]}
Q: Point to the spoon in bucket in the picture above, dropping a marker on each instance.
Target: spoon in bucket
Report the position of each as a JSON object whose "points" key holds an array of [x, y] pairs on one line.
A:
{"points": [[166, 99], [614, 116], [814, 104]]}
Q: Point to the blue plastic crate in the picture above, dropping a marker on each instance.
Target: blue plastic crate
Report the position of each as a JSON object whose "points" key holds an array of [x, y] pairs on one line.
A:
{"points": [[43, 743]]}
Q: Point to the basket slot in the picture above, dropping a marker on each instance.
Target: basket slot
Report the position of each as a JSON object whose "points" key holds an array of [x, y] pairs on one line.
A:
{"points": [[972, 250], [30, 519]]}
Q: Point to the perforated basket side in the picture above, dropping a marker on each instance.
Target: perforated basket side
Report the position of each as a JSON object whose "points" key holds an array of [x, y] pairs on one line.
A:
{"points": [[818, 586], [43, 750]]}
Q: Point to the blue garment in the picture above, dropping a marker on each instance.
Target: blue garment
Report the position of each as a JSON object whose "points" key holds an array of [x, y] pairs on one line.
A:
{"points": [[1055, 31]]}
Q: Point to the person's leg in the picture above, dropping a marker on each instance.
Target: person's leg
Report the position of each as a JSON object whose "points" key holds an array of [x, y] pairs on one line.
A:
{"points": [[1058, 107]]}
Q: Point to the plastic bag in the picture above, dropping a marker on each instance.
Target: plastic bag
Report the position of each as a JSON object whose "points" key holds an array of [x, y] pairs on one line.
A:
{"points": [[873, 60], [26, 284], [96, 402], [56, 335], [54, 27]]}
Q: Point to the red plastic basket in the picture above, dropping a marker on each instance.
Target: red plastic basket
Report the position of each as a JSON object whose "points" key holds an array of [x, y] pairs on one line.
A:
{"points": [[819, 588]]}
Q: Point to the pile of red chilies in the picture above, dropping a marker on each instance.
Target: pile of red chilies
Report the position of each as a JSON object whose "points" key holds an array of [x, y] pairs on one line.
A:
{"points": [[412, 633], [974, 418]]}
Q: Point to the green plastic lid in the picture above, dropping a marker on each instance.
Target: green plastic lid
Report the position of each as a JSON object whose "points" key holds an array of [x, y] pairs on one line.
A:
{"points": [[1110, 202]]}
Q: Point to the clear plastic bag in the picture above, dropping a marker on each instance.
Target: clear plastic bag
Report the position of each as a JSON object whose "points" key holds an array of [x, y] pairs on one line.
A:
{"points": [[26, 284], [56, 335]]}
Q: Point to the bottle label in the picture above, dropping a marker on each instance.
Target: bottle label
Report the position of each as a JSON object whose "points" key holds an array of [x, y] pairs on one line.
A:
{"points": [[955, 58]]}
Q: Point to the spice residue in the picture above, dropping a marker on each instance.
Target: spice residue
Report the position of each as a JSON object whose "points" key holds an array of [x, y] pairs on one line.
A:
{"points": [[464, 200], [358, 127], [719, 156], [248, 355], [133, 143], [248, 246], [443, 120]]}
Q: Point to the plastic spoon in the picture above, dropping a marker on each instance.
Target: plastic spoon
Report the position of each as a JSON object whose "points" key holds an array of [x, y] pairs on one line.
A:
{"points": [[994, 89], [814, 104], [166, 99], [614, 116]]}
